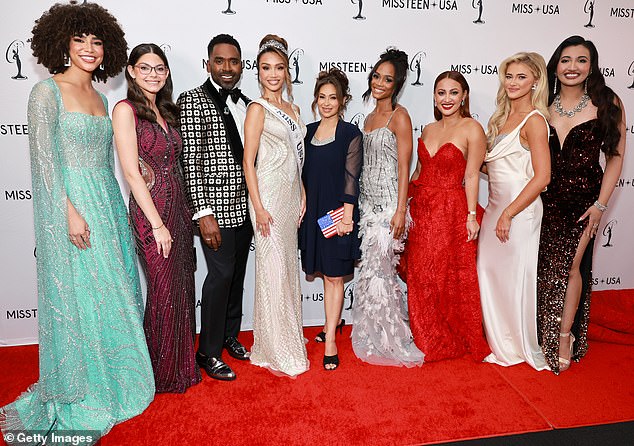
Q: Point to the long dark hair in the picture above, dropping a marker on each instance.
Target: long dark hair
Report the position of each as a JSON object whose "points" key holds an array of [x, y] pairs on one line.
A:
{"points": [[169, 111], [609, 112], [398, 59], [454, 76]]}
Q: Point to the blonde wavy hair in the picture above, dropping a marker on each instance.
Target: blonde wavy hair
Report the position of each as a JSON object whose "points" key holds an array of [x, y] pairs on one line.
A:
{"points": [[539, 97]]}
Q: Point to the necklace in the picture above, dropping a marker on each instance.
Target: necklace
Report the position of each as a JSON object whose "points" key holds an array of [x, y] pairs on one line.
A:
{"points": [[570, 113]]}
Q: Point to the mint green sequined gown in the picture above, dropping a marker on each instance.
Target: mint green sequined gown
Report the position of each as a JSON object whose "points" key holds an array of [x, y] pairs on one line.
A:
{"points": [[95, 370]]}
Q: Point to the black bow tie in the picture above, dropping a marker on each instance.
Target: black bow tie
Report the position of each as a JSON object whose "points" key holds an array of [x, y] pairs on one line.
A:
{"points": [[235, 94]]}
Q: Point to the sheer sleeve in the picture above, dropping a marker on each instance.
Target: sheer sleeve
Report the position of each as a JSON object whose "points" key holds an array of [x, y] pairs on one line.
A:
{"points": [[354, 161], [62, 367]]}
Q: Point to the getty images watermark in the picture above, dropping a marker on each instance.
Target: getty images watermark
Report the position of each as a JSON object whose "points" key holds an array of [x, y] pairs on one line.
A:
{"points": [[68, 437]]}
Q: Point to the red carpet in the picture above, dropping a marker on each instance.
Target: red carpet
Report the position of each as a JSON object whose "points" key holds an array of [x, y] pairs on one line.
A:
{"points": [[361, 404]]}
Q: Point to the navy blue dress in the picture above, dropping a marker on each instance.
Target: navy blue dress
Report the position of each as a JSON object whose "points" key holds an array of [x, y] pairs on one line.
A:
{"points": [[331, 178]]}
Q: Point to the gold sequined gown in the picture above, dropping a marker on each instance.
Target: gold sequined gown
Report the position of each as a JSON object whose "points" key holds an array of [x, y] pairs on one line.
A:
{"points": [[278, 340], [95, 369], [507, 272], [575, 184]]}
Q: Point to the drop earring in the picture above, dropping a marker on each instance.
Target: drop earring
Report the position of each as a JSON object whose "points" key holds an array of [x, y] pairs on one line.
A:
{"points": [[555, 86], [534, 87], [67, 62], [462, 103], [585, 86], [101, 67]]}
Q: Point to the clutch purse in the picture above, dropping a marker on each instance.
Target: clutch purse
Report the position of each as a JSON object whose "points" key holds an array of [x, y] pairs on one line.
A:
{"points": [[328, 223]]}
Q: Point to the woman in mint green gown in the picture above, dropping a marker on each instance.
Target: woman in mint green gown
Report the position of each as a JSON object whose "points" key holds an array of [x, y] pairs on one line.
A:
{"points": [[95, 369]]}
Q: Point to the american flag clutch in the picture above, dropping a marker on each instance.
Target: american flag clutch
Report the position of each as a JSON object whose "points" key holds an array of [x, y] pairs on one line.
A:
{"points": [[328, 223]]}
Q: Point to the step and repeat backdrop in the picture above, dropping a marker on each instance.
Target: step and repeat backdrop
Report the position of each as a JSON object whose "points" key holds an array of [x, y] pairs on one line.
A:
{"points": [[470, 36]]}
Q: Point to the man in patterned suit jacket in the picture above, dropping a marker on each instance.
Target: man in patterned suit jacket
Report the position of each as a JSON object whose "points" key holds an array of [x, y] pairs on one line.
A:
{"points": [[212, 117]]}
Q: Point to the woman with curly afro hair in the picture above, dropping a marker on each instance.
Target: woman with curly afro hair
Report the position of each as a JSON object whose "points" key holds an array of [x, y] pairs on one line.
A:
{"points": [[95, 369]]}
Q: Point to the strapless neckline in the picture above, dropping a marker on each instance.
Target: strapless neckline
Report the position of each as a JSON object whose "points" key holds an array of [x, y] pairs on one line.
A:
{"points": [[442, 146]]}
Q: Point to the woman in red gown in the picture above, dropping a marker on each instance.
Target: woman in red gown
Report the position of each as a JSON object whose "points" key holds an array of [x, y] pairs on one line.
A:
{"points": [[443, 295]]}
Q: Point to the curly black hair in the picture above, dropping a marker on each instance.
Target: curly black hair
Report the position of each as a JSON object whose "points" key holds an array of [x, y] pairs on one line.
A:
{"points": [[398, 59], [337, 79], [52, 33], [168, 110], [609, 106]]}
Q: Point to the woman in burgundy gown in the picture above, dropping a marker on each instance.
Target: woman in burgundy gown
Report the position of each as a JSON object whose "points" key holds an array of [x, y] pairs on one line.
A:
{"points": [[440, 253], [587, 117], [149, 145]]}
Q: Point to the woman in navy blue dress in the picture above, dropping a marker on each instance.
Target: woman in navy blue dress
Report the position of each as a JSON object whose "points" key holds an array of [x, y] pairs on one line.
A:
{"points": [[334, 154]]}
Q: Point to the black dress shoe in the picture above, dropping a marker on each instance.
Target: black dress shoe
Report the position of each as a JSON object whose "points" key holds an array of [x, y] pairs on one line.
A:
{"points": [[235, 348], [215, 367]]}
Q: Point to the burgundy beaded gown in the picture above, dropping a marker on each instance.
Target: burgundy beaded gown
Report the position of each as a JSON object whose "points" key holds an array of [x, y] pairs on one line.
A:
{"points": [[575, 184], [170, 320], [442, 282]]}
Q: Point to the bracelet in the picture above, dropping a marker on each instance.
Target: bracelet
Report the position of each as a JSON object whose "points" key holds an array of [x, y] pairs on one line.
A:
{"points": [[351, 222], [472, 213], [599, 206], [158, 227], [508, 213]]}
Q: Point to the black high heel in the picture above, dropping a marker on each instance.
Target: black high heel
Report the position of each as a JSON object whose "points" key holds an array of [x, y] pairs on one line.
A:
{"points": [[321, 336], [331, 360]]}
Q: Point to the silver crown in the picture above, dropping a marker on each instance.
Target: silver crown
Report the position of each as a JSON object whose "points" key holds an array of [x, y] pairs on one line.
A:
{"points": [[272, 44]]}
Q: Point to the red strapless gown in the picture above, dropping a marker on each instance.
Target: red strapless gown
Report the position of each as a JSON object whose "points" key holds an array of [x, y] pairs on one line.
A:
{"points": [[443, 293]]}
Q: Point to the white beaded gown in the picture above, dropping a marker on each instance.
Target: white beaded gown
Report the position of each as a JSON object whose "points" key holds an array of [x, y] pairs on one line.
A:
{"points": [[278, 340], [381, 334], [507, 272]]}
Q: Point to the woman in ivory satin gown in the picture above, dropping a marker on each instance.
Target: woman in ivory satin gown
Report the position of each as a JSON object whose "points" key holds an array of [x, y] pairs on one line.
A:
{"points": [[274, 133], [518, 165]]}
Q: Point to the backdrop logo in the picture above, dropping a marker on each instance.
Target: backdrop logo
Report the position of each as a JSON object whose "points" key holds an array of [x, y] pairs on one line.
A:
{"points": [[348, 294], [166, 47], [293, 60], [228, 10], [415, 66], [358, 120], [529, 8], [608, 231], [477, 4], [588, 8], [12, 55], [630, 72], [359, 15]]}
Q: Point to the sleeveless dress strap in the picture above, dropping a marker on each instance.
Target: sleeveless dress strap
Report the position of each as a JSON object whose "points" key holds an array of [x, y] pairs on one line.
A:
{"points": [[136, 119], [391, 116]]}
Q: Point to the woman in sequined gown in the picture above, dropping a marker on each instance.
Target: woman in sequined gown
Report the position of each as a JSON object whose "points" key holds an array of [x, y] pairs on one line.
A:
{"points": [[587, 118], [149, 145], [440, 253], [274, 133], [381, 333], [518, 165], [95, 369]]}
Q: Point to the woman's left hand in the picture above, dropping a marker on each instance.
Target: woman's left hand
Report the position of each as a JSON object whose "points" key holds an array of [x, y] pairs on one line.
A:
{"points": [[344, 229], [397, 224], [503, 227], [473, 228], [594, 218]]}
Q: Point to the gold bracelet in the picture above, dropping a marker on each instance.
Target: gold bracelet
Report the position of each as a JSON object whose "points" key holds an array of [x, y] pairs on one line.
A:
{"points": [[159, 227], [351, 222]]}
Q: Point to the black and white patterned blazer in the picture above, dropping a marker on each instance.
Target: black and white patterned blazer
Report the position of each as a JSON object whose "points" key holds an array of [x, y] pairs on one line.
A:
{"points": [[212, 156]]}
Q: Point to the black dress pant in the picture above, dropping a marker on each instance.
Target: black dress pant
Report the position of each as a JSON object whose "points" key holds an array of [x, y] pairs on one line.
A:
{"points": [[221, 304]]}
